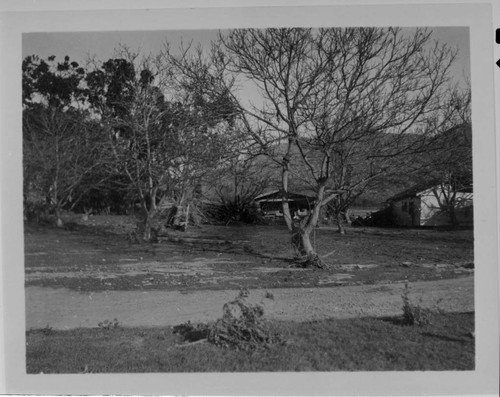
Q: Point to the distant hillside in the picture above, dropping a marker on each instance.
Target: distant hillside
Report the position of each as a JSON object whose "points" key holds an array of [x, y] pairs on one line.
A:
{"points": [[452, 148], [401, 174]]}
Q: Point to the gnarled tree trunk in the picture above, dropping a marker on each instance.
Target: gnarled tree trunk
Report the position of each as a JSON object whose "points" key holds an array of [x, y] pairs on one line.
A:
{"points": [[59, 221], [339, 218], [301, 235]]}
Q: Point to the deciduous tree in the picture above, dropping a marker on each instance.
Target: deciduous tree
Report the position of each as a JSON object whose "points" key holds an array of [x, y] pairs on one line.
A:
{"points": [[448, 158], [344, 103], [165, 134]]}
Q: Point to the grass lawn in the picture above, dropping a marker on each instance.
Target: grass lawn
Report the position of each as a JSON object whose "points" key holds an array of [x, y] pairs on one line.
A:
{"points": [[363, 344]]}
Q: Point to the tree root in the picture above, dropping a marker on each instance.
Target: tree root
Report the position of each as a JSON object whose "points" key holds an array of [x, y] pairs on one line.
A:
{"points": [[311, 261]]}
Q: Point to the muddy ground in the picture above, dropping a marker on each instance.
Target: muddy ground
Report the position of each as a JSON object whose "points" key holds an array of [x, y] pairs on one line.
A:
{"points": [[96, 256], [90, 272]]}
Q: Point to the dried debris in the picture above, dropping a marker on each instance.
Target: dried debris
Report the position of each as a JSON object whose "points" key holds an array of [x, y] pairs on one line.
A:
{"points": [[241, 327]]}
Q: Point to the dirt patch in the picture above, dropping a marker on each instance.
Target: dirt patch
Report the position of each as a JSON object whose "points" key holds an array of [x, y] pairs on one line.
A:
{"points": [[63, 309], [91, 273], [248, 257]]}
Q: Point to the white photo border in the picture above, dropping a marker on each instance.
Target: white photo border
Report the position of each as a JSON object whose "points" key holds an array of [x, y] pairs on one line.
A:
{"points": [[477, 16]]}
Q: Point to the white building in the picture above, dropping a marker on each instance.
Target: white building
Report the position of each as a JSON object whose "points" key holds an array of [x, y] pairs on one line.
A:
{"points": [[431, 204]]}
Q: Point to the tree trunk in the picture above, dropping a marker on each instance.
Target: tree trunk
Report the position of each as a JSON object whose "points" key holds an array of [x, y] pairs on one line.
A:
{"points": [[301, 236], [301, 240], [59, 221], [149, 217], [285, 173], [148, 224], [301, 233], [347, 216], [186, 222], [305, 240], [172, 215], [339, 219], [453, 215], [86, 214], [340, 224]]}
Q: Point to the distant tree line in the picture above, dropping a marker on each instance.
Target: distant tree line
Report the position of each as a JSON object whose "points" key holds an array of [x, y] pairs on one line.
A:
{"points": [[128, 131]]}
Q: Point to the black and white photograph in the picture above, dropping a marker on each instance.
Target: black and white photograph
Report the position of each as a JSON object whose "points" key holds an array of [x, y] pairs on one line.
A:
{"points": [[308, 196]]}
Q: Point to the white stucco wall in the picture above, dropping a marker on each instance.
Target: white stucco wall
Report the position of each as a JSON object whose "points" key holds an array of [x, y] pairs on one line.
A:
{"points": [[427, 209], [431, 213]]}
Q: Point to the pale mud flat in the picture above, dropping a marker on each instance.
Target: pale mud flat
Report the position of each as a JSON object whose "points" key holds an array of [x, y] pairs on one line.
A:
{"points": [[61, 308]]}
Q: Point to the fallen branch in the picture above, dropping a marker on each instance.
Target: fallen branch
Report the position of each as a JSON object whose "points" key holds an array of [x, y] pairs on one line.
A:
{"points": [[330, 253], [194, 240]]}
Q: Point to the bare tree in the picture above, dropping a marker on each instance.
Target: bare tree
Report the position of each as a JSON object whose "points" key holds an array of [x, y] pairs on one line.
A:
{"points": [[448, 158], [339, 101], [163, 135], [61, 152]]}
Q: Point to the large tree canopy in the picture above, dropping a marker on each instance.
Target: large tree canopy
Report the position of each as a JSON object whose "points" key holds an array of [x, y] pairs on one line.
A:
{"points": [[164, 133], [343, 103], [56, 84], [61, 148]]}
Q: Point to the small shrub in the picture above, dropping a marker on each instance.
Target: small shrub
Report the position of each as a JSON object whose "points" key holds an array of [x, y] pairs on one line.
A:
{"points": [[269, 295], [414, 314], [107, 324], [230, 210], [47, 330], [39, 212], [242, 327]]}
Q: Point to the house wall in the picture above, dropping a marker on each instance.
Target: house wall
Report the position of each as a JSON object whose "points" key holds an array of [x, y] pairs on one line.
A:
{"points": [[273, 205], [431, 213], [424, 210]]}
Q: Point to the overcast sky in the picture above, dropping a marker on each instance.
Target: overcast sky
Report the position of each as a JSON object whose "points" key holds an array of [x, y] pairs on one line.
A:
{"points": [[80, 46]]}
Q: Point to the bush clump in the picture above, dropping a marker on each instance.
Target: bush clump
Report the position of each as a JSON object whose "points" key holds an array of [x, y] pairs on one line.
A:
{"points": [[109, 324], [414, 314], [38, 212], [237, 210], [242, 327]]}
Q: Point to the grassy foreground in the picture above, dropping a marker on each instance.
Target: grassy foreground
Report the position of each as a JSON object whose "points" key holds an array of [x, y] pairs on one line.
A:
{"points": [[364, 344]]}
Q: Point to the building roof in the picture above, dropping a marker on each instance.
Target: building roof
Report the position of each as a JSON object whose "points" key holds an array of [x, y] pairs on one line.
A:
{"points": [[276, 195], [414, 190], [422, 187]]}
